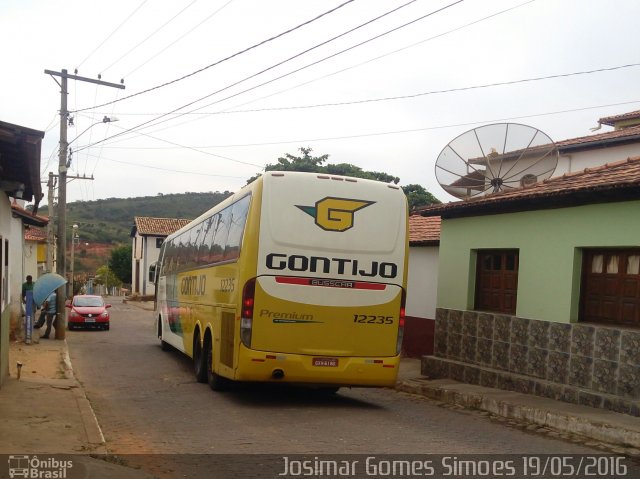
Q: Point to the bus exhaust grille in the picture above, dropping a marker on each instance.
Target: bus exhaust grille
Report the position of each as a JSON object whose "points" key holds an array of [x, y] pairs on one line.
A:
{"points": [[227, 339]]}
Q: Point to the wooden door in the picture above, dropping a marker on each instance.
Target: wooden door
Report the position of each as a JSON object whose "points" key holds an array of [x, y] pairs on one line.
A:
{"points": [[611, 286]]}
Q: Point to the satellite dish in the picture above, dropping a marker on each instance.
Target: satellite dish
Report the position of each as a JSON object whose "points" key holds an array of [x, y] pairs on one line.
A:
{"points": [[494, 158]]}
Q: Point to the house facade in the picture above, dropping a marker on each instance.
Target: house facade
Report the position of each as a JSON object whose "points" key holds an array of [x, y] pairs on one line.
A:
{"points": [[575, 154], [35, 251], [147, 236], [20, 180], [420, 308], [539, 289]]}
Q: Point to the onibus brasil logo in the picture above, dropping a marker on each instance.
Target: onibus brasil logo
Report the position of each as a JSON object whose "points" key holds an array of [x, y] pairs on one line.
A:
{"points": [[38, 468], [335, 214]]}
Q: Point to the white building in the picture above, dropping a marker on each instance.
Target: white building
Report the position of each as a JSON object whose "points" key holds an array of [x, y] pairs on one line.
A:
{"points": [[420, 308], [19, 179], [148, 235]]}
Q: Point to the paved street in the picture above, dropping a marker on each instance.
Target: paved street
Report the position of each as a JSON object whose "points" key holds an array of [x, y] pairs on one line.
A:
{"points": [[148, 402]]}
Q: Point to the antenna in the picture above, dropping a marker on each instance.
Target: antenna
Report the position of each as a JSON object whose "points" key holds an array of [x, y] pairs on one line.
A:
{"points": [[494, 158]]}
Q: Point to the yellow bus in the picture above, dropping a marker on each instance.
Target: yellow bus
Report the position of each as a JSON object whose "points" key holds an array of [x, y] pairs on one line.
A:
{"points": [[297, 278]]}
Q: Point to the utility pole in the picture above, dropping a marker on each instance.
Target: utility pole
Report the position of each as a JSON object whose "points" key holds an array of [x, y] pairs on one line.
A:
{"points": [[51, 237], [51, 241], [61, 262]]}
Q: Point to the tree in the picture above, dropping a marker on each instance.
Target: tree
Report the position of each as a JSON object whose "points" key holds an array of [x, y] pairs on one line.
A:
{"points": [[315, 164], [418, 196], [120, 263], [105, 276], [288, 162]]}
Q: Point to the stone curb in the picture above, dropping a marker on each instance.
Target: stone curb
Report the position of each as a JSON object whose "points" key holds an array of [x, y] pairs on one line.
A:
{"points": [[561, 421], [95, 438]]}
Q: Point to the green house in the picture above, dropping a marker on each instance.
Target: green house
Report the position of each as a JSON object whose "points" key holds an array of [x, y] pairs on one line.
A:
{"points": [[539, 289]]}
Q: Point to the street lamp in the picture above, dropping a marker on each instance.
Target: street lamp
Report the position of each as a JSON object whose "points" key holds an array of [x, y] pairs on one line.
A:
{"points": [[74, 237], [106, 119]]}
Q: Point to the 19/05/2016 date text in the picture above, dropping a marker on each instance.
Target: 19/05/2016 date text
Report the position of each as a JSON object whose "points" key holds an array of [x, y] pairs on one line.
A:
{"points": [[578, 466]]}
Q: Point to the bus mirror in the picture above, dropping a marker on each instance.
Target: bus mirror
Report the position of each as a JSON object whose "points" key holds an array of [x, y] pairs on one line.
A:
{"points": [[152, 272]]}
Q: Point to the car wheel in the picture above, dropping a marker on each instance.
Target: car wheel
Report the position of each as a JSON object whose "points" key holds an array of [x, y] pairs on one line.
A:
{"points": [[199, 360], [70, 326], [106, 327], [216, 382]]}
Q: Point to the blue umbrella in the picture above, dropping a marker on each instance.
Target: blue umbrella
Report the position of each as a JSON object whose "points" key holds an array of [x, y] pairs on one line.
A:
{"points": [[45, 285]]}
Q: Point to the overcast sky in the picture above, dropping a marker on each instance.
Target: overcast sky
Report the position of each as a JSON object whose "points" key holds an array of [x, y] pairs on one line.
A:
{"points": [[209, 129]]}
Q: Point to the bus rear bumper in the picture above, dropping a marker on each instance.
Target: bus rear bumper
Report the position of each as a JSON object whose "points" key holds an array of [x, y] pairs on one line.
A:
{"points": [[317, 370]]}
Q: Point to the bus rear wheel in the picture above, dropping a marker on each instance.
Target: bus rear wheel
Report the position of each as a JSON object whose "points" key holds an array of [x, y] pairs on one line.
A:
{"points": [[216, 382], [199, 360]]}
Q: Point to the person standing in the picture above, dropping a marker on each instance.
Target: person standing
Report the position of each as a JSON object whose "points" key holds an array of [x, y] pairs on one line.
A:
{"points": [[50, 309], [28, 286]]}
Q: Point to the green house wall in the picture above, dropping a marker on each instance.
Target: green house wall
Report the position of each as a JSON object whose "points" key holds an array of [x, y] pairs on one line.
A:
{"points": [[550, 244]]}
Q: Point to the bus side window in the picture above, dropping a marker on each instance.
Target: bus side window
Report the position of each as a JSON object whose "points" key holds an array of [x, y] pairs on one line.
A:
{"points": [[236, 228], [220, 238], [207, 241]]}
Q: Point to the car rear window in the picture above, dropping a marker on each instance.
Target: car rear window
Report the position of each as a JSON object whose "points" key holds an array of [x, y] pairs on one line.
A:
{"points": [[84, 302]]}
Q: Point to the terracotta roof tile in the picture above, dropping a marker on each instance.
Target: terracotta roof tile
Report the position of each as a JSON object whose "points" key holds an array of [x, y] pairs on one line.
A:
{"points": [[611, 120], [609, 135], [35, 234], [593, 185], [424, 230], [28, 216], [158, 226]]}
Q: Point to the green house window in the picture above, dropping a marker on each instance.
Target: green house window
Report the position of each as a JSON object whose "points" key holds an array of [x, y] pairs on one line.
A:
{"points": [[497, 281]]}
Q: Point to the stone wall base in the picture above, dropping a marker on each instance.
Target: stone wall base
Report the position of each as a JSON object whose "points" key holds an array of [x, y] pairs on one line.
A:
{"points": [[442, 368]]}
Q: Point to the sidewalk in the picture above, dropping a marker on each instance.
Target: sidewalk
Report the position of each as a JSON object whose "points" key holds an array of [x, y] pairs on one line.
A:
{"points": [[619, 433], [46, 412]]}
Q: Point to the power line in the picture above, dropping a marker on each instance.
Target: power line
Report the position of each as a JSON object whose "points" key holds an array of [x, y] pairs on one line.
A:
{"points": [[363, 135], [416, 95], [164, 49], [172, 170], [347, 69], [112, 33], [224, 59], [152, 34], [413, 130], [156, 122], [197, 150], [461, 27], [435, 92]]}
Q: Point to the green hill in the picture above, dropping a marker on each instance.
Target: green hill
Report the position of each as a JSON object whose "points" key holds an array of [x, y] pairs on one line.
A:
{"points": [[110, 220]]}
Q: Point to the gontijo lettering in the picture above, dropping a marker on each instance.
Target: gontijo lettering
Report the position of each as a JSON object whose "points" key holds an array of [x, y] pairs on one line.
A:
{"points": [[193, 285], [321, 264]]}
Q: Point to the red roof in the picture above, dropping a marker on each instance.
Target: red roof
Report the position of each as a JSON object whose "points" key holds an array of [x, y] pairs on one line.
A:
{"points": [[158, 226], [28, 217], [35, 234], [617, 181], [424, 230], [633, 132], [612, 120]]}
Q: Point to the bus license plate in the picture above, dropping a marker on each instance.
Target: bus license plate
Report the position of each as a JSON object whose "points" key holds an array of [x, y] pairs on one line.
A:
{"points": [[326, 362]]}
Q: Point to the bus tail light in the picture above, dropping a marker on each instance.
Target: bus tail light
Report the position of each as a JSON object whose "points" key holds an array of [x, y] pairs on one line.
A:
{"points": [[401, 322], [246, 318]]}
